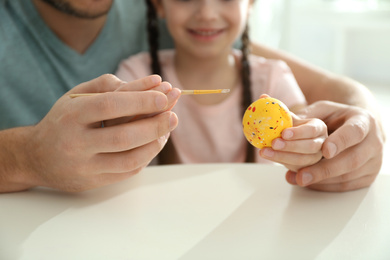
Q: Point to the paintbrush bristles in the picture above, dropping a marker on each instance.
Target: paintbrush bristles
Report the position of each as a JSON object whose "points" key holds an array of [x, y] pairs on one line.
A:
{"points": [[183, 92], [204, 91]]}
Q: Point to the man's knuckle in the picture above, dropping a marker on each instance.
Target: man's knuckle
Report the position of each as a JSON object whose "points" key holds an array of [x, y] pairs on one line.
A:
{"points": [[359, 130], [108, 78]]}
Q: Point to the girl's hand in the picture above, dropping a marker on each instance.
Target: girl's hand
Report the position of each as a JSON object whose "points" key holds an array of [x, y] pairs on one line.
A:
{"points": [[300, 145]]}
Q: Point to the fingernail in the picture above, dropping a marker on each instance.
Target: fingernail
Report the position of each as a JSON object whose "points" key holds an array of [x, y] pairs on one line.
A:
{"points": [[306, 178], [332, 148], [156, 79], [173, 94], [172, 121], [161, 102], [287, 134], [268, 153], [278, 144]]}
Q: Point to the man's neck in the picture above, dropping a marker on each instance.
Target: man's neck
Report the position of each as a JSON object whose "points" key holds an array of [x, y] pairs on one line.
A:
{"points": [[77, 33]]}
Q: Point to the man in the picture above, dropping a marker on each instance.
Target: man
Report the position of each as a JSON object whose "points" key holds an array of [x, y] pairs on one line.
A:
{"points": [[49, 46]]}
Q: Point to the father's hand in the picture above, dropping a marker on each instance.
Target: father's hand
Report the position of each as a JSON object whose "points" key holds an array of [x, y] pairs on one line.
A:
{"points": [[70, 150], [353, 151]]}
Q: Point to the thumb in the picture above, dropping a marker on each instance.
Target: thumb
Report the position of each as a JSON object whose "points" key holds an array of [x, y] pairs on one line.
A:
{"points": [[320, 109]]}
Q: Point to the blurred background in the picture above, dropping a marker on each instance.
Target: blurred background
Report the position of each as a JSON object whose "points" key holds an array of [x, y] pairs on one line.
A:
{"points": [[349, 37]]}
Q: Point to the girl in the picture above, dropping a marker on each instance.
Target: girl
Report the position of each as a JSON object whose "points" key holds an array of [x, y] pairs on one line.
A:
{"points": [[210, 128]]}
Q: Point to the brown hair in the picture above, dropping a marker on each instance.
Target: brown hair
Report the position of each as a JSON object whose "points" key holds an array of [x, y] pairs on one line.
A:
{"points": [[246, 84], [153, 38]]}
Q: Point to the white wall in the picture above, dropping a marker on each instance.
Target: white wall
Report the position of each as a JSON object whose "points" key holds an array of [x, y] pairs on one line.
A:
{"points": [[350, 37], [267, 22]]}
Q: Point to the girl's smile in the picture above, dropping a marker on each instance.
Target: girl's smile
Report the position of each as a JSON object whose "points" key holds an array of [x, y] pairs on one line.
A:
{"points": [[205, 35]]}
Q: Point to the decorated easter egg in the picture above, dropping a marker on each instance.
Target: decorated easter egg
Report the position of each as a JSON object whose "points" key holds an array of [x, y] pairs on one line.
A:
{"points": [[264, 120]]}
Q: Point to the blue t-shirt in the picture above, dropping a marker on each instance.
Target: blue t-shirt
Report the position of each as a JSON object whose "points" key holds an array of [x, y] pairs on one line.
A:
{"points": [[37, 68]]}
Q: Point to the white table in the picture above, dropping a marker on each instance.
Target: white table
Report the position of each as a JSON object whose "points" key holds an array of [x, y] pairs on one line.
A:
{"points": [[215, 211]]}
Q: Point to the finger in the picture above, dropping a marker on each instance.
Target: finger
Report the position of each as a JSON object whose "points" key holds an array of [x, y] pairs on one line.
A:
{"points": [[109, 83], [104, 83], [291, 177], [142, 84], [321, 110], [347, 161], [172, 96], [118, 104], [305, 129], [131, 135], [264, 96], [372, 167], [355, 184], [352, 132], [128, 161], [288, 158], [301, 146], [164, 87]]}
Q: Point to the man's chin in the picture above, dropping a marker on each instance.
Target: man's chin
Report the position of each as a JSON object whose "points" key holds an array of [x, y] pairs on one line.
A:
{"points": [[68, 7]]}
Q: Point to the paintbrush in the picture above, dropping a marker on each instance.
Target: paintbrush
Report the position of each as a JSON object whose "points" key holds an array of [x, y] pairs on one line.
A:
{"points": [[183, 92]]}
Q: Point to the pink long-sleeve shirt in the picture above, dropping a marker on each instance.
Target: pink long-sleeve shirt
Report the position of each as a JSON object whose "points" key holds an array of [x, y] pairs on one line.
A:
{"points": [[213, 133]]}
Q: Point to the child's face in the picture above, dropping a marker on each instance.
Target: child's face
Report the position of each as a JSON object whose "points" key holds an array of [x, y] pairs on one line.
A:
{"points": [[204, 28]]}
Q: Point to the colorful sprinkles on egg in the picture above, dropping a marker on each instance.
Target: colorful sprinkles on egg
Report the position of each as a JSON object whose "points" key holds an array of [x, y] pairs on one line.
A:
{"points": [[264, 120]]}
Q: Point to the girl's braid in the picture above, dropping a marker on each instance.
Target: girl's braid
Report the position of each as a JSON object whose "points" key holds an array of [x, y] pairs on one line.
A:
{"points": [[153, 37], [246, 84]]}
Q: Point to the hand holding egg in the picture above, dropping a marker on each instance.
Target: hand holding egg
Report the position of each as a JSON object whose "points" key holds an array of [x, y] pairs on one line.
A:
{"points": [[264, 120]]}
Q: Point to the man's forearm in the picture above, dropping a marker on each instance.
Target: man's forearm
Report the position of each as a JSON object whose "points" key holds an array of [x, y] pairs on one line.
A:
{"points": [[318, 84], [14, 160]]}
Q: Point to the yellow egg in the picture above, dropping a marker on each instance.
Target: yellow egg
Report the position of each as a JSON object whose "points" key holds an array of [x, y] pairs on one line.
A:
{"points": [[264, 120]]}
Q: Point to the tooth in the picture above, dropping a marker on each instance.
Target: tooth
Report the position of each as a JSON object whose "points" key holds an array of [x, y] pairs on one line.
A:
{"points": [[208, 33]]}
